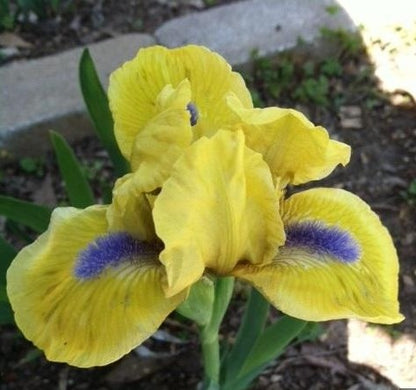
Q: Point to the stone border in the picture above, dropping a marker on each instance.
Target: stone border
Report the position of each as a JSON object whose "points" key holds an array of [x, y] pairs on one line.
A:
{"points": [[43, 94]]}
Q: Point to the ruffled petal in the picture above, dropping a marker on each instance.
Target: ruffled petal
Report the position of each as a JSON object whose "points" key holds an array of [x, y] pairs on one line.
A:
{"points": [[339, 261], [218, 207], [159, 145], [130, 209], [85, 297], [296, 150], [135, 88]]}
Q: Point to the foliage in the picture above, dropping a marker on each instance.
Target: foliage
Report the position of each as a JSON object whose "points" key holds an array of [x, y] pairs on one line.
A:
{"points": [[34, 166], [97, 104], [410, 193], [12, 14], [293, 77], [6, 16]]}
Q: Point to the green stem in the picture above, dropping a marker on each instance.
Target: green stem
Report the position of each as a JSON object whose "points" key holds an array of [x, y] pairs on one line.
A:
{"points": [[209, 333], [211, 356]]}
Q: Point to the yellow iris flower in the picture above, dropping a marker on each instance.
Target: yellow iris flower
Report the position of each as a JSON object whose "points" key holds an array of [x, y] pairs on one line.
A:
{"points": [[205, 196]]}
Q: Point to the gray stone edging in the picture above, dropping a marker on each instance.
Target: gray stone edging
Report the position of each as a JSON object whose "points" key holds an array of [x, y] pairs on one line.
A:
{"points": [[269, 26], [43, 94]]}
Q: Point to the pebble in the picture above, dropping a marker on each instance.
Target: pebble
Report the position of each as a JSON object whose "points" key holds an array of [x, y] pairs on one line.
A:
{"points": [[351, 117]]}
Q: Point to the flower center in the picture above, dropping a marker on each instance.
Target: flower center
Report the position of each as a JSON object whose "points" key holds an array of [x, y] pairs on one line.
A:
{"points": [[191, 107], [111, 249], [323, 240]]}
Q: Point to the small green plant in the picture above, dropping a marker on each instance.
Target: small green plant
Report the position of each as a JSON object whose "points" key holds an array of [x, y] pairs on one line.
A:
{"points": [[42, 8], [331, 67], [6, 16], [33, 166], [332, 9], [410, 193], [348, 43], [11, 14], [314, 90]]}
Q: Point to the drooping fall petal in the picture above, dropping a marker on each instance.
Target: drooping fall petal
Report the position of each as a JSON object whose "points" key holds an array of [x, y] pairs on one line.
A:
{"points": [[218, 207], [338, 261], [295, 149], [86, 296]]}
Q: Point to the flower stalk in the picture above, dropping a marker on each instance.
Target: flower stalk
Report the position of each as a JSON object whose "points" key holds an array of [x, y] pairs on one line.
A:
{"points": [[209, 333]]}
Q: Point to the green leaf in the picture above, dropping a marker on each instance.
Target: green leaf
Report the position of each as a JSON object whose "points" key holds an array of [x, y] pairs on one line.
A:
{"points": [[29, 214], [97, 104], [310, 332], [18, 230], [30, 356], [7, 254], [271, 343], [6, 314], [252, 325], [3, 293], [77, 187], [199, 303], [209, 384]]}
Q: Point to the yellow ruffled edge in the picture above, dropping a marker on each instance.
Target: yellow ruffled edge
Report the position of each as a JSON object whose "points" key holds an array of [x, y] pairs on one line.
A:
{"points": [[295, 149]]}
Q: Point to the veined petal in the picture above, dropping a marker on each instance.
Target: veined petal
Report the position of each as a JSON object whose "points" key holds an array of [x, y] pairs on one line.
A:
{"points": [[159, 145], [339, 261], [296, 150], [136, 87], [218, 207], [76, 301], [130, 210]]}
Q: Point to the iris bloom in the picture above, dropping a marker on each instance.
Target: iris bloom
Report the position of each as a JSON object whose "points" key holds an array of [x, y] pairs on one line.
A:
{"points": [[205, 197]]}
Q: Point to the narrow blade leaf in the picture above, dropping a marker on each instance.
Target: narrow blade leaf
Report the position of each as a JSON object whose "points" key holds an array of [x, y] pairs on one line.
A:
{"points": [[77, 187], [252, 325], [97, 104], [34, 216], [6, 314], [273, 341], [7, 254]]}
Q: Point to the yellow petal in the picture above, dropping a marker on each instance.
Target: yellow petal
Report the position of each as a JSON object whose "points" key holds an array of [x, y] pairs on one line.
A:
{"points": [[137, 86], [93, 314], [339, 261], [295, 149], [218, 207], [158, 146], [130, 210]]}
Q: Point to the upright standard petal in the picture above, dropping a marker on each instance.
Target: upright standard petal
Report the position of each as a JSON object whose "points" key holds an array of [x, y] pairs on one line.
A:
{"points": [[296, 150], [218, 207], [135, 88], [86, 296], [159, 145], [338, 261]]}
